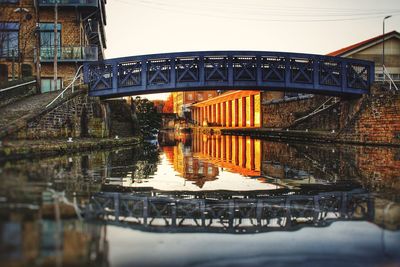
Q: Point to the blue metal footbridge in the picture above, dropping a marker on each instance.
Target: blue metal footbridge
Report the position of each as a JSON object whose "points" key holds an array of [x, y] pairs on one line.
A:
{"points": [[228, 70]]}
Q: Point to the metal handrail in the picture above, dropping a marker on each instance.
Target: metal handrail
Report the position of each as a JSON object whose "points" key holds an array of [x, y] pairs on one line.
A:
{"points": [[324, 106], [71, 85], [385, 72], [16, 86]]}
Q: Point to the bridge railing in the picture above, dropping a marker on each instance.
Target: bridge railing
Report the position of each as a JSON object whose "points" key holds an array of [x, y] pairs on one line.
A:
{"points": [[230, 215], [229, 70]]}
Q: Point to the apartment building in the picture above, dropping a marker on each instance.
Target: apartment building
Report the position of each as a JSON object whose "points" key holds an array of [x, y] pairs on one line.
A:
{"points": [[29, 38]]}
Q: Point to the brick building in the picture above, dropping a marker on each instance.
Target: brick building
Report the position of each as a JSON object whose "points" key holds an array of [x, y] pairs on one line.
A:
{"points": [[27, 38], [183, 100], [372, 49]]}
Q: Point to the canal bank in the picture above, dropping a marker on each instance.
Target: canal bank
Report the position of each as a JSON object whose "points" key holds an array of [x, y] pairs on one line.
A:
{"points": [[301, 136], [372, 119], [44, 148]]}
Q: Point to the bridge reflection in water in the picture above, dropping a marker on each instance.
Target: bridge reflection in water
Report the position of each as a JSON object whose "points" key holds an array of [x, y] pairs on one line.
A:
{"points": [[236, 213]]}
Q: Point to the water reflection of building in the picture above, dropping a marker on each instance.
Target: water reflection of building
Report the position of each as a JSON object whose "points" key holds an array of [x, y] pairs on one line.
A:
{"points": [[201, 161], [238, 154], [189, 167], [29, 240]]}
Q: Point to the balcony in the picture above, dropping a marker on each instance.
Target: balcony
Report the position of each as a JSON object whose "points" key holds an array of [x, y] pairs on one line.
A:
{"points": [[68, 3], [69, 53]]}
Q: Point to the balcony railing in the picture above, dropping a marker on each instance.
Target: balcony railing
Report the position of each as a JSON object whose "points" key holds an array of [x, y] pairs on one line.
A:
{"points": [[69, 53], [74, 3]]}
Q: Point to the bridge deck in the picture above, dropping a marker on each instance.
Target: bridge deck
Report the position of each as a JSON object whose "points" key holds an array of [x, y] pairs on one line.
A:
{"points": [[234, 70]]}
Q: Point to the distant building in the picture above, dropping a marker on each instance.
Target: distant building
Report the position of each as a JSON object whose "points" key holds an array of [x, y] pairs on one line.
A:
{"points": [[372, 50], [27, 38], [183, 100]]}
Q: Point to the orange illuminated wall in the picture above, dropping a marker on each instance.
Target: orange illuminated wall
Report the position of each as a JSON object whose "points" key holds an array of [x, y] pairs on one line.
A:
{"points": [[231, 109]]}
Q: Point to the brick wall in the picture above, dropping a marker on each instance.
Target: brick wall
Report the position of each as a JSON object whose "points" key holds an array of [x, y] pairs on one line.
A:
{"points": [[71, 29], [375, 118], [72, 33], [27, 40], [376, 168]]}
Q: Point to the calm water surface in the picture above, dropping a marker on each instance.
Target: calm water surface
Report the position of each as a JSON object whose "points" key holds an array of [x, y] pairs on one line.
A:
{"points": [[201, 200]]}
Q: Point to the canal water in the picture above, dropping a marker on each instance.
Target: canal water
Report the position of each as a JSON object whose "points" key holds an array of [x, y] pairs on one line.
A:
{"points": [[204, 200]]}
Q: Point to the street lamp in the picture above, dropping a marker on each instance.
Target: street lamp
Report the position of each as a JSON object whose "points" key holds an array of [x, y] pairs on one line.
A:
{"points": [[383, 47]]}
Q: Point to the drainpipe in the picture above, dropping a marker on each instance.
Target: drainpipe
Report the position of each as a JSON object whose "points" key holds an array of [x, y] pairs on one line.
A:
{"points": [[55, 44], [37, 34]]}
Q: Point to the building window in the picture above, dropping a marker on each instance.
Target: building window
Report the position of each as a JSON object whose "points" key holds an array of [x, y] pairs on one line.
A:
{"points": [[200, 96], [26, 70], [190, 96], [47, 40], [47, 85], [9, 39], [210, 95]]}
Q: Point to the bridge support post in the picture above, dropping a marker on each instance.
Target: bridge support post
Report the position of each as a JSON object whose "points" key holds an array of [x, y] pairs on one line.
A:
{"points": [[145, 210], [116, 206], [173, 213], [202, 213], [259, 209], [316, 209], [231, 213]]}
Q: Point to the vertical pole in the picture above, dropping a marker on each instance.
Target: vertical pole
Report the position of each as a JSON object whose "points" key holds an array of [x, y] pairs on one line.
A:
{"points": [[383, 47], [13, 64], [38, 81], [383, 51], [55, 44]]}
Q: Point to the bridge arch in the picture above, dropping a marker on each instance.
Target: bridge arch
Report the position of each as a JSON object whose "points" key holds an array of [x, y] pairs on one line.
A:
{"points": [[228, 70]]}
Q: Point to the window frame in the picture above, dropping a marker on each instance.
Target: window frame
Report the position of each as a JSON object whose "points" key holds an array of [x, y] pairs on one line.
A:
{"points": [[48, 50], [7, 28]]}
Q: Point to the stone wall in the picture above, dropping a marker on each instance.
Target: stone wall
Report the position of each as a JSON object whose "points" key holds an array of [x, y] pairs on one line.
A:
{"points": [[80, 116], [123, 121], [282, 113], [10, 96]]}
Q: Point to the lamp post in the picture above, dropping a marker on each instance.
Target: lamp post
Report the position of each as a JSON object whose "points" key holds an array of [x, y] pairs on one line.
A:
{"points": [[383, 47]]}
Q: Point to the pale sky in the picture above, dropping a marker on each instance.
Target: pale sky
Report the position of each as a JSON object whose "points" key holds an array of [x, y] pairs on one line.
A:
{"points": [[137, 27]]}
